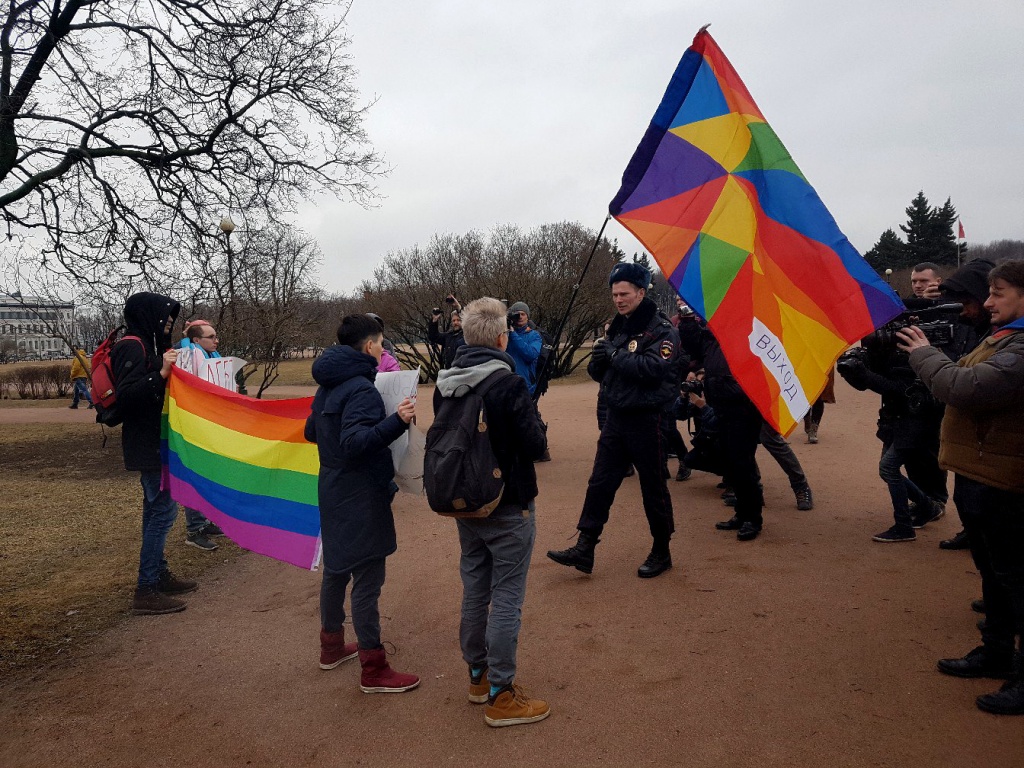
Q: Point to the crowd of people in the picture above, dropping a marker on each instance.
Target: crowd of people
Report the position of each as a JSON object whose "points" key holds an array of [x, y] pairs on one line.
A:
{"points": [[950, 401]]}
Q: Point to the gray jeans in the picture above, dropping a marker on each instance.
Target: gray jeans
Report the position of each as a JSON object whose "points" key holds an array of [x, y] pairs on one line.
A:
{"points": [[367, 580], [782, 452], [496, 555]]}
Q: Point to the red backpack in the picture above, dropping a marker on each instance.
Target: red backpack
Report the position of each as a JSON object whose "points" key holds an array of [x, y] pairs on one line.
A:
{"points": [[103, 391]]}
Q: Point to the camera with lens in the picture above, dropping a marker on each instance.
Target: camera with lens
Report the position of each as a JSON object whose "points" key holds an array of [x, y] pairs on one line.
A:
{"points": [[851, 361], [937, 322], [512, 318], [695, 387]]}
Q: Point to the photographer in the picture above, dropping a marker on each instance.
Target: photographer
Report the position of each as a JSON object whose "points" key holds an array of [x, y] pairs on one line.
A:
{"points": [[524, 343], [983, 443], [909, 432], [450, 341]]}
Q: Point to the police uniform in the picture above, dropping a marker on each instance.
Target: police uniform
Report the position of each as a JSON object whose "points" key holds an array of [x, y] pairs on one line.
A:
{"points": [[639, 376]]}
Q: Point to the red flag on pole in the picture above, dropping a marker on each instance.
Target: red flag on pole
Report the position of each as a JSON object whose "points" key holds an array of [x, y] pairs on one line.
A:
{"points": [[961, 236]]}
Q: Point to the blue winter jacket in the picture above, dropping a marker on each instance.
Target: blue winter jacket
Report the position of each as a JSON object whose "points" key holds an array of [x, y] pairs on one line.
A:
{"points": [[352, 432], [524, 346]]}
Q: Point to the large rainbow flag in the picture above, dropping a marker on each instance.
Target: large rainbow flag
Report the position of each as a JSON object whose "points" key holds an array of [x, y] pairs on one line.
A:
{"points": [[713, 194], [245, 464]]}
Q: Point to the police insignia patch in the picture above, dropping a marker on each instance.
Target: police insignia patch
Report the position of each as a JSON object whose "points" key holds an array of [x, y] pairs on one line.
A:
{"points": [[666, 350], [631, 346]]}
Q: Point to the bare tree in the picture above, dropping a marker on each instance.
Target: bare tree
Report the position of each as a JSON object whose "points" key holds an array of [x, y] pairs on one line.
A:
{"points": [[127, 127], [539, 267]]}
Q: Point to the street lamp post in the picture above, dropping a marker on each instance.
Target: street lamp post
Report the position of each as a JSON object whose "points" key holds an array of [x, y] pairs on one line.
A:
{"points": [[888, 275], [227, 226]]}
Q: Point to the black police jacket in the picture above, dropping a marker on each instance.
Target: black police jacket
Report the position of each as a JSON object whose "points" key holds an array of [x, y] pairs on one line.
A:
{"points": [[640, 364]]}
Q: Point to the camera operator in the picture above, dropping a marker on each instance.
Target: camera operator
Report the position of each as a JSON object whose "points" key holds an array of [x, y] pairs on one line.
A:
{"points": [[525, 345], [967, 286], [983, 443], [449, 341]]}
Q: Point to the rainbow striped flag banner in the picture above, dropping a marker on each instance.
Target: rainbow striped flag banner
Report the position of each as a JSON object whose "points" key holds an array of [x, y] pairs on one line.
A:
{"points": [[244, 464], [738, 231]]}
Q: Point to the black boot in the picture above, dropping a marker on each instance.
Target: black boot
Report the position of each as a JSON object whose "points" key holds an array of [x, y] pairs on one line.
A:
{"points": [[579, 556], [981, 662], [659, 561], [1008, 700], [959, 541]]}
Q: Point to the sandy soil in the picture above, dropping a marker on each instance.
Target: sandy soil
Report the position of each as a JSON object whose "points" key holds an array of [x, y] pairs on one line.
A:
{"points": [[811, 646]]}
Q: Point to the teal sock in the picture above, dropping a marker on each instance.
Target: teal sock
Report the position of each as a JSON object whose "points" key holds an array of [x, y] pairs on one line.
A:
{"points": [[476, 671], [495, 689]]}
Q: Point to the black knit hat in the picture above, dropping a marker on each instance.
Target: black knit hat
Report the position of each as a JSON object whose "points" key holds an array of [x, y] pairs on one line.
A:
{"points": [[628, 272], [971, 280]]}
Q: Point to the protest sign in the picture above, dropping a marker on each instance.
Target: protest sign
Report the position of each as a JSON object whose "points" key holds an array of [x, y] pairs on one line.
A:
{"points": [[407, 450]]}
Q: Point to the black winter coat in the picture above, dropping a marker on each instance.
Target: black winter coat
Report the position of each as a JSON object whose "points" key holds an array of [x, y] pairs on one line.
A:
{"points": [[720, 385], [352, 432], [641, 371], [140, 387], [517, 437]]}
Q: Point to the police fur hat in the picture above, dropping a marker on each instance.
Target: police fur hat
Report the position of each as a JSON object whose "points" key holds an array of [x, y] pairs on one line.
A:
{"points": [[971, 280], [628, 272], [520, 306]]}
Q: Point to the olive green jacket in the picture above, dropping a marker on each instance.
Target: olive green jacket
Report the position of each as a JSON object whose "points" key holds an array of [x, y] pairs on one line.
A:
{"points": [[983, 429]]}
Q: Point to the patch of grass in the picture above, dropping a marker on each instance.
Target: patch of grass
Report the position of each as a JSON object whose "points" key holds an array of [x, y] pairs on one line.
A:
{"points": [[69, 541]]}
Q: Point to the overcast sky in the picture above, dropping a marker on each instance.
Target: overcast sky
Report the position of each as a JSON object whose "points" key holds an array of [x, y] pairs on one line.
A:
{"points": [[527, 112]]}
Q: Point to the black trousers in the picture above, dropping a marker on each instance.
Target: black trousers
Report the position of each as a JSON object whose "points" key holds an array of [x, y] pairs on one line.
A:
{"points": [[994, 521], [636, 438], [740, 432]]}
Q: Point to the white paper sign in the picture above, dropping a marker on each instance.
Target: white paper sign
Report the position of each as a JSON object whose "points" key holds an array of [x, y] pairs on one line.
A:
{"points": [[216, 370], [394, 387]]}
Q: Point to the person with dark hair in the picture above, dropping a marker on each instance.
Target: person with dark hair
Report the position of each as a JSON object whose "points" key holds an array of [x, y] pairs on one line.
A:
{"points": [[983, 444], [638, 366], [202, 337], [352, 432], [448, 341], [141, 367]]}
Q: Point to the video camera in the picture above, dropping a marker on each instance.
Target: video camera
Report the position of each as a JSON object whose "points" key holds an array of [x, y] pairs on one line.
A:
{"points": [[937, 322]]}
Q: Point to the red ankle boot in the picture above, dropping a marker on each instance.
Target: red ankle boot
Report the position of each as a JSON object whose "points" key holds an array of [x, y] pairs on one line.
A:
{"points": [[334, 649], [379, 677]]}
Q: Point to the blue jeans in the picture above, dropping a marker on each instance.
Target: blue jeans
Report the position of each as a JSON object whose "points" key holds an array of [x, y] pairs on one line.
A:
{"points": [[495, 560], [159, 511], [367, 580], [901, 490], [195, 521], [81, 391]]}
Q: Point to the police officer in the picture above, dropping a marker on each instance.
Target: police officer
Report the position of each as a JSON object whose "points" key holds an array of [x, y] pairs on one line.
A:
{"points": [[637, 365]]}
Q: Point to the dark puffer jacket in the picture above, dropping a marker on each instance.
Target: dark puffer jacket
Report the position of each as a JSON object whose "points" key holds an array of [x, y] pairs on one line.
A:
{"points": [[136, 369], [352, 432]]}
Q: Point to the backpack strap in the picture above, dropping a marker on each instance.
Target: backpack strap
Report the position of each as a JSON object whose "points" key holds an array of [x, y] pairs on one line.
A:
{"points": [[484, 386]]}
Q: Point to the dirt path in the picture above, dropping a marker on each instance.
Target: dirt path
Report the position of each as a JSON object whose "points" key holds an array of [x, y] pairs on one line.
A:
{"points": [[811, 646]]}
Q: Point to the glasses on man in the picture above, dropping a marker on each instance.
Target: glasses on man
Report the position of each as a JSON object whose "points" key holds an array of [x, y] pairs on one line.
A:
{"points": [[210, 338]]}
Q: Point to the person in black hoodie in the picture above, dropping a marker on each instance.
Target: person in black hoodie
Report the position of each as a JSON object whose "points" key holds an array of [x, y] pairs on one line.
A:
{"points": [[140, 367], [496, 550], [352, 432]]}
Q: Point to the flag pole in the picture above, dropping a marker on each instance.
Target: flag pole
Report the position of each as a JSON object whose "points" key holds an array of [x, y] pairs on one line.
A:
{"points": [[572, 300]]}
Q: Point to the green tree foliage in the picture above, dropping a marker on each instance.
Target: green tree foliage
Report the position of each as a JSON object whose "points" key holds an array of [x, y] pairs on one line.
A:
{"points": [[539, 266], [930, 236]]}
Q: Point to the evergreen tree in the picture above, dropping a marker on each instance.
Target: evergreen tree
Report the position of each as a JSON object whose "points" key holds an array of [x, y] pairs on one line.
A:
{"points": [[888, 253], [918, 230], [942, 237]]}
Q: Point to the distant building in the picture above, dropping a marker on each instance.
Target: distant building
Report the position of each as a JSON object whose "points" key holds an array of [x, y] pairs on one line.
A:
{"points": [[25, 327]]}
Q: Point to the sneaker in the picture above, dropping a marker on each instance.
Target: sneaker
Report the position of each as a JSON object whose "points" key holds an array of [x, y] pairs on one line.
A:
{"points": [[683, 473], [479, 688], [894, 535], [90, 407], [170, 584], [804, 500], [149, 601], [199, 541], [511, 706], [919, 519], [211, 529]]}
